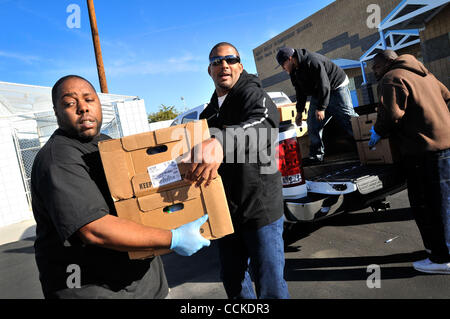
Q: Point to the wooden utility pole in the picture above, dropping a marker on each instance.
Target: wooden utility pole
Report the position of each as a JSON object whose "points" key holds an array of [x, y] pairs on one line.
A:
{"points": [[97, 48]]}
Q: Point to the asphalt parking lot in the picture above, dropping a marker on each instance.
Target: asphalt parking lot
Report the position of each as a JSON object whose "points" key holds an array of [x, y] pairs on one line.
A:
{"points": [[345, 257]]}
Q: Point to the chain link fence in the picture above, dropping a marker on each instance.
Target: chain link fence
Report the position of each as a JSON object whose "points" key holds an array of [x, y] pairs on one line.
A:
{"points": [[31, 131]]}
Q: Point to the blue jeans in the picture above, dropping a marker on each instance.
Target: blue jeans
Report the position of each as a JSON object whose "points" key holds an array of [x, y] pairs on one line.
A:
{"points": [[341, 107], [428, 178], [257, 254]]}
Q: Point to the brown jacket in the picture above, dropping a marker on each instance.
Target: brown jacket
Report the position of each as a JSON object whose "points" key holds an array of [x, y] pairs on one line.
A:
{"points": [[414, 105]]}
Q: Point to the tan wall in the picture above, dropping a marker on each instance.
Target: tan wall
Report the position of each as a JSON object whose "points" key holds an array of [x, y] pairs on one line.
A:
{"points": [[315, 32], [340, 31], [441, 70], [438, 25], [437, 31]]}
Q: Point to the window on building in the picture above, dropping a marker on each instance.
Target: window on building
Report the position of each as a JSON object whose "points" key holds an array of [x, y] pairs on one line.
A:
{"points": [[351, 84]]}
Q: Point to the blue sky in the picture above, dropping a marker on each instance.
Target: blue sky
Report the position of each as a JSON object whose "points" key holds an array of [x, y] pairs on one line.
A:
{"points": [[156, 50]]}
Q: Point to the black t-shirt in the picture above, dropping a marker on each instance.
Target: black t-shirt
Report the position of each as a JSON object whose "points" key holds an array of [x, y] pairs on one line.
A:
{"points": [[69, 190]]}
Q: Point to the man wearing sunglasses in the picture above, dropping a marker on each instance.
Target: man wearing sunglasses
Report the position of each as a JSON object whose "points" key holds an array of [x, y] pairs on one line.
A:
{"points": [[315, 75], [240, 110]]}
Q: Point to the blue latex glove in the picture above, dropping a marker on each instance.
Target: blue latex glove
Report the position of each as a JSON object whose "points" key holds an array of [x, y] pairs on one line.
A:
{"points": [[187, 240], [374, 138]]}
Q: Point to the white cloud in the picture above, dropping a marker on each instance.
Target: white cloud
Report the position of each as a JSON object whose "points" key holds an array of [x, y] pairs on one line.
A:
{"points": [[185, 63], [29, 59]]}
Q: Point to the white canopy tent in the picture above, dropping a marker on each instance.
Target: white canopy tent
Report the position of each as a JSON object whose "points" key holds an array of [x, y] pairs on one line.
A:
{"points": [[27, 121]]}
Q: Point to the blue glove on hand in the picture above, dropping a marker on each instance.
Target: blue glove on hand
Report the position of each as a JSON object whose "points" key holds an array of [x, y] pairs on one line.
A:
{"points": [[186, 239], [374, 138]]}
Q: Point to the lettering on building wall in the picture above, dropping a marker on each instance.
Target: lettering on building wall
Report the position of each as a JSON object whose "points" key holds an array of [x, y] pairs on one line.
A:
{"points": [[304, 27], [273, 48]]}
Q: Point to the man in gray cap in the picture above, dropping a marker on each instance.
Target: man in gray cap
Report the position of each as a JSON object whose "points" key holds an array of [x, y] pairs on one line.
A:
{"points": [[317, 76]]}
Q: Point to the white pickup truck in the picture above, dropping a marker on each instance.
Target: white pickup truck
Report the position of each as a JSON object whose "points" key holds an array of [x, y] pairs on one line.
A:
{"points": [[341, 183], [338, 185]]}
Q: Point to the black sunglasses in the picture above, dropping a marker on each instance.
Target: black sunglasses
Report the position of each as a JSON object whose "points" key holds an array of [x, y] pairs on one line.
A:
{"points": [[230, 59]]}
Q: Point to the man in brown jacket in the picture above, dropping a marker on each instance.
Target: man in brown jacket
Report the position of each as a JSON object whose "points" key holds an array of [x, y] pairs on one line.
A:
{"points": [[414, 107]]}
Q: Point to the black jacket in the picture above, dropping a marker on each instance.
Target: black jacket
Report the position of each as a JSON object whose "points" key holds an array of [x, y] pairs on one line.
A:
{"points": [[244, 125], [316, 76]]}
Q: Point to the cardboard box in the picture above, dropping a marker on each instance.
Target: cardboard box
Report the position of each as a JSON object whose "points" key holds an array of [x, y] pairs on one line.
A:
{"points": [[146, 182], [129, 161], [361, 126], [305, 112], [173, 208], [303, 130], [384, 152], [303, 143], [289, 112]]}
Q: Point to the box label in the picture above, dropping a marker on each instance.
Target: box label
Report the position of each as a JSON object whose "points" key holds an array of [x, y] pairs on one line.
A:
{"points": [[164, 173]]}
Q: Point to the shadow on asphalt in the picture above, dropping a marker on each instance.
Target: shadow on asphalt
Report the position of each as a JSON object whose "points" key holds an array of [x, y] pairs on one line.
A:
{"points": [[364, 218], [297, 231], [303, 269], [306, 269], [355, 274], [203, 266], [26, 249]]}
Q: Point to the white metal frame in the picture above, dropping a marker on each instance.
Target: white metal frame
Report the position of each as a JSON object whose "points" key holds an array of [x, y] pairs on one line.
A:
{"points": [[408, 37]]}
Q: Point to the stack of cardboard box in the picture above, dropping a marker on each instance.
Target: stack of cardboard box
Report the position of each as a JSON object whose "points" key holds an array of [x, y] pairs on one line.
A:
{"points": [[145, 178], [288, 112], [384, 152]]}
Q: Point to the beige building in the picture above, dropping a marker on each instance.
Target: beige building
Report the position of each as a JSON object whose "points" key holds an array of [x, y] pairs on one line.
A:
{"points": [[347, 32]]}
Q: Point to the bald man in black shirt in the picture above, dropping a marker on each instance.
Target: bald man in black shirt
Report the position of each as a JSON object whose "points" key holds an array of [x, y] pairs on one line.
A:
{"points": [[81, 244]]}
